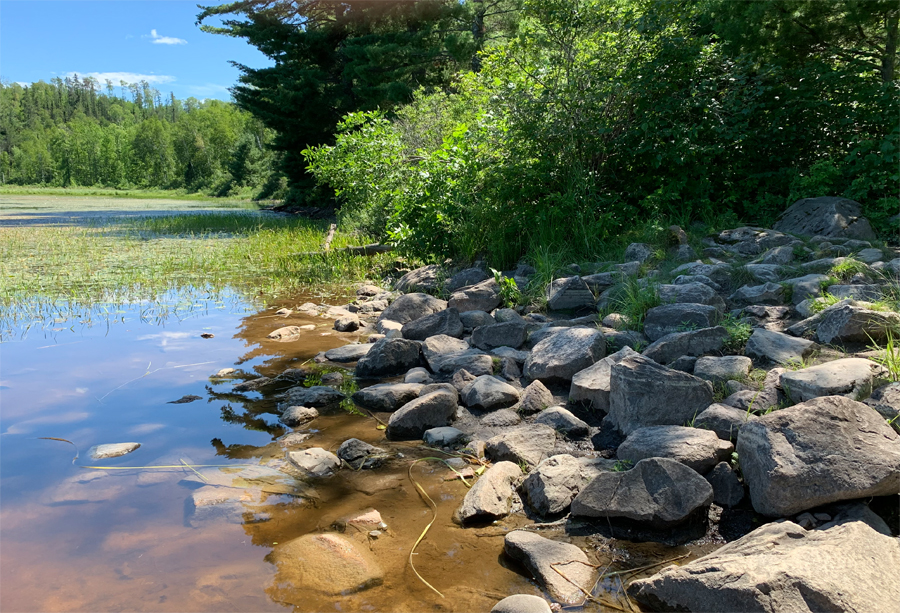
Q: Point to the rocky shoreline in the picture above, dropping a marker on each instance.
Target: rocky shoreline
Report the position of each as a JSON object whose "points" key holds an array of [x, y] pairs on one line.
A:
{"points": [[752, 385]]}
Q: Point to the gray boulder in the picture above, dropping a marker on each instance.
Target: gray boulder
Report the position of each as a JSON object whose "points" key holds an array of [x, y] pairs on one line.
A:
{"points": [[854, 324], [315, 462], [491, 496], [444, 436], [443, 322], [685, 279], [725, 421], [387, 396], [315, 396], [558, 357], [886, 400], [691, 293], [856, 292], [347, 323], [297, 416], [777, 347], [658, 492], [528, 444], [445, 354], [488, 393], [778, 255], [411, 307], [550, 488], [535, 398], [769, 397], [501, 418], [415, 417], [851, 377], [782, 568], [721, 369], [389, 356], [693, 447], [806, 287], [826, 216], [821, 451], [360, 454], [680, 317], [426, 278], [764, 273], [573, 293], [602, 280], [348, 353], [474, 319], [638, 252], [719, 273], [727, 487], [644, 393], [563, 421], [506, 334], [483, 296], [768, 293], [562, 569], [465, 278], [693, 343], [591, 385]]}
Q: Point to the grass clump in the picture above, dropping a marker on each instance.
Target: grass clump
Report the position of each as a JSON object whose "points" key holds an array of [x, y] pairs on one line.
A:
{"points": [[633, 299], [891, 357], [739, 332], [845, 270]]}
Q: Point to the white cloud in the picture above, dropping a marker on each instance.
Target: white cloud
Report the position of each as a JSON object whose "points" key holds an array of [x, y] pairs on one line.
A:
{"points": [[23, 84], [165, 40], [208, 90], [128, 77]]}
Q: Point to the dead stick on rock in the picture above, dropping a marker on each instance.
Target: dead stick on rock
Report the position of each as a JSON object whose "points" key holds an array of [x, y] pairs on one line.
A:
{"points": [[330, 237]]}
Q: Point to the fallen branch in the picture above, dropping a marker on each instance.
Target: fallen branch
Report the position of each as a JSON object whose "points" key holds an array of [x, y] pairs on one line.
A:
{"points": [[330, 237], [367, 250]]}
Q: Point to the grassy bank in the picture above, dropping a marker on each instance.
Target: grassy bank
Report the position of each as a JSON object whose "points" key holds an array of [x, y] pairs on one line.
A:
{"points": [[46, 269]]}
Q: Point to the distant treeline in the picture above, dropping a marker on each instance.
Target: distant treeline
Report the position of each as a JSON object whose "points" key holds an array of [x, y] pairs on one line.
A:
{"points": [[76, 132]]}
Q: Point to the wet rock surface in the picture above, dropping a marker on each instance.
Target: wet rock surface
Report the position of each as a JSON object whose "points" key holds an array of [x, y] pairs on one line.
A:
{"points": [[542, 557]]}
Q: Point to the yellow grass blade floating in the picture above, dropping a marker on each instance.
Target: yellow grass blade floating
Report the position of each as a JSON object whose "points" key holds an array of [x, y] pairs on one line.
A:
{"points": [[433, 508]]}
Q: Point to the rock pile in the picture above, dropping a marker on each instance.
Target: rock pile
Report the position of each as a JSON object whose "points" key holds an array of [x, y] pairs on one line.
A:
{"points": [[723, 395]]}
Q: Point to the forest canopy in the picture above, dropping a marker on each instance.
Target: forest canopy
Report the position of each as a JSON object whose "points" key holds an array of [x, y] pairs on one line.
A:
{"points": [[468, 128]]}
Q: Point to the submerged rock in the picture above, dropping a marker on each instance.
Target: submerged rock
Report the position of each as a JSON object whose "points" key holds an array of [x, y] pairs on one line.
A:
{"points": [[326, 563]]}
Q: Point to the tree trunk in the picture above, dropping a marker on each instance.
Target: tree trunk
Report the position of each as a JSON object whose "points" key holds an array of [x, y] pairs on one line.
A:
{"points": [[888, 60]]}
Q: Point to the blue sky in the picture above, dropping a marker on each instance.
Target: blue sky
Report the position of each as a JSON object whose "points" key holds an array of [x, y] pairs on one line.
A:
{"points": [[126, 40]]}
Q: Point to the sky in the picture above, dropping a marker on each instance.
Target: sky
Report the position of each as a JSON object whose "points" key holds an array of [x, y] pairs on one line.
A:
{"points": [[130, 40]]}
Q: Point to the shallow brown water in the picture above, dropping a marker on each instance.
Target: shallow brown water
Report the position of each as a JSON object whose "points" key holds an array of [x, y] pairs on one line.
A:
{"points": [[81, 539]]}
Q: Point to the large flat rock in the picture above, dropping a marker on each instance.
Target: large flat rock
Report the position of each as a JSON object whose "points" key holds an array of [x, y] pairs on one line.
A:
{"points": [[693, 447], [782, 568], [826, 216], [851, 377], [821, 451], [558, 357]]}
